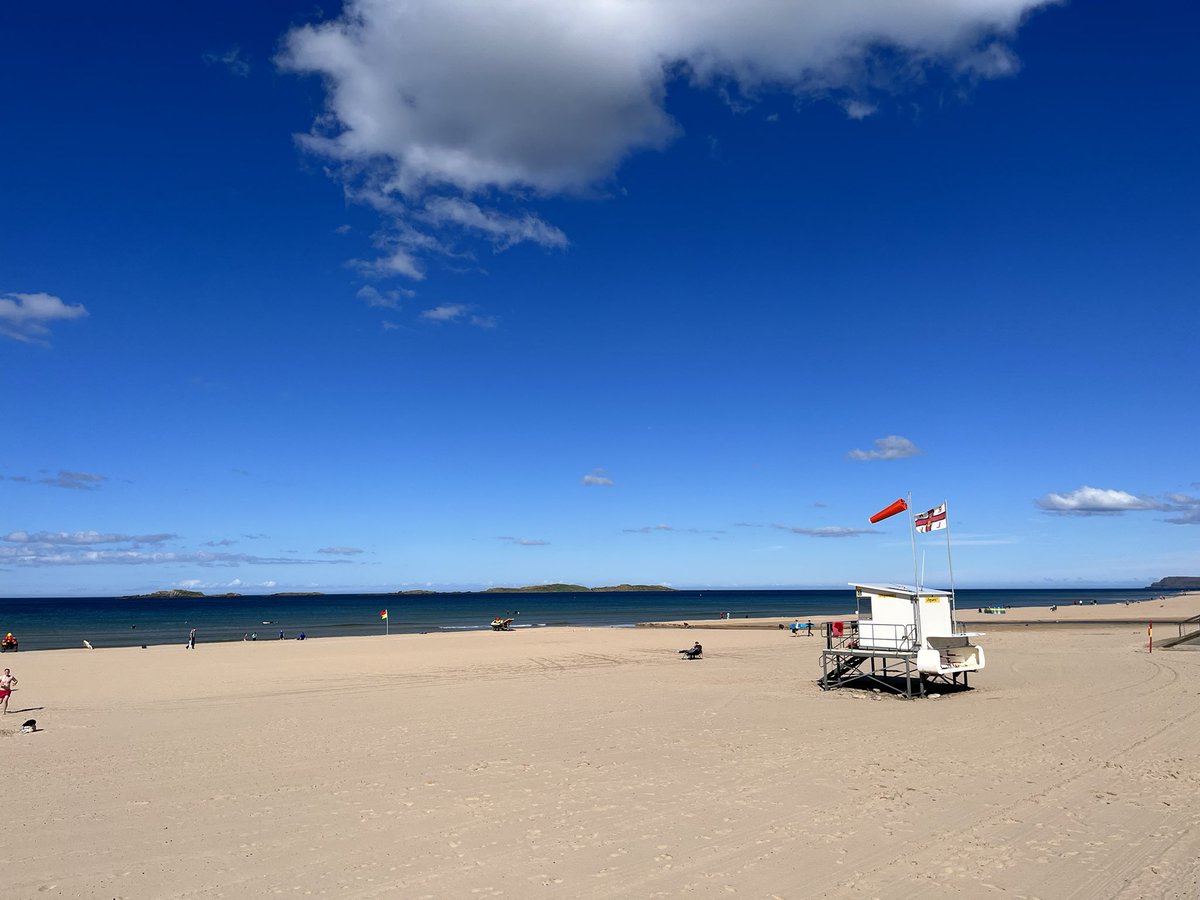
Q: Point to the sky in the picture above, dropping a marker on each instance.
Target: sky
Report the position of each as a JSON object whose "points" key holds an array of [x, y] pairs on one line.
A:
{"points": [[457, 294]]}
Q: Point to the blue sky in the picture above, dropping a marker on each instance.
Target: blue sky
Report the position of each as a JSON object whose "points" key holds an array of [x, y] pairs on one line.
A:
{"points": [[459, 294]]}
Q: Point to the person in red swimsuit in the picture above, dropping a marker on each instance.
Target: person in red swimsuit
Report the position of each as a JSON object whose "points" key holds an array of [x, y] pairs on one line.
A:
{"points": [[7, 681]]}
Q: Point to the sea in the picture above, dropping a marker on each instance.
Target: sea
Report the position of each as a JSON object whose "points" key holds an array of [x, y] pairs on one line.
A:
{"points": [[55, 623]]}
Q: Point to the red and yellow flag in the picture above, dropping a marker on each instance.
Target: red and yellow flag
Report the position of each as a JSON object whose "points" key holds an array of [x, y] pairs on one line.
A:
{"points": [[383, 615]]}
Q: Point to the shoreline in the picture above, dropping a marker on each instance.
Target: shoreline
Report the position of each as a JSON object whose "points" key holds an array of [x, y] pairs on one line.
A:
{"points": [[1170, 610]]}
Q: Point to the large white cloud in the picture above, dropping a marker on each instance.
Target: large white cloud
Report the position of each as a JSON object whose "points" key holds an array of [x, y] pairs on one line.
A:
{"points": [[429, 101], [1093, 501]]}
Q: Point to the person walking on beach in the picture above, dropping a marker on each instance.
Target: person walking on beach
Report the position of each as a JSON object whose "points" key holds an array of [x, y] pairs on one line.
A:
{"points": [[809, 627], [192, 639], [7, 682]]}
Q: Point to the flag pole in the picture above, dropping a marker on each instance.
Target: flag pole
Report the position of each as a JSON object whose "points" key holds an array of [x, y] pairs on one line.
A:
{"points": [[950, 562], [912, 533]]}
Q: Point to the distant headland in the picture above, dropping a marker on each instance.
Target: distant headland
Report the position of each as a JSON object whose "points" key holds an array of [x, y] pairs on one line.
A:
{"points": [[178, 594], [1177, 583]]}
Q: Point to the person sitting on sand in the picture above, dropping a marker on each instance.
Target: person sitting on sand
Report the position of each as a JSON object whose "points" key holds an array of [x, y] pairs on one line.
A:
{"points": [[694, 653]]}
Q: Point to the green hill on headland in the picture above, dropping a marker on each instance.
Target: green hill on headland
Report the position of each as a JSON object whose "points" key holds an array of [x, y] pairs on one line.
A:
{"points": [[1177, 583], [175, 594]]}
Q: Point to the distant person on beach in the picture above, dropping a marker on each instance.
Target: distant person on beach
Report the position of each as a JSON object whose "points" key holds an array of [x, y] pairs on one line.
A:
{"points": [[281, 634], [254, 635], [809, 627], [7, 682], [302, 636], [795, 627], [192, 639]]}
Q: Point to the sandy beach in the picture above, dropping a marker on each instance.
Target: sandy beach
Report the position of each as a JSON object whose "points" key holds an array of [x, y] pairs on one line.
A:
{"points": [[597, 763]]}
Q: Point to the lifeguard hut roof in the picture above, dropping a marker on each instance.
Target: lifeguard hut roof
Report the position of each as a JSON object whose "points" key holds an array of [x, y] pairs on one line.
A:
{"points": [[899, 590]]}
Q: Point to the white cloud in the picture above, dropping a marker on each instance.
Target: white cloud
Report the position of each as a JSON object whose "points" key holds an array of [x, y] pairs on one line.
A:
{"points": [[83, 538], [1091, 501], [44, 555], [28, 317], [891, 447], [435, 107], [447, 312], [1188, 508], [829, 531], [501, 229], [340, 551], [597, 478], [458, 312], [859, 109], [389, 299], [231, 59], [525, 542]]}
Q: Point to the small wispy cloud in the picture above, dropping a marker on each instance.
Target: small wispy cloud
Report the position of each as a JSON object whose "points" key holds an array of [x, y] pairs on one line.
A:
{"points": [[502, 230], [859, 109], [83, 538], [232, 59], [72, 481], [28, 317], [458, 313], [1092, 501], [340, 551], [43, 555], [597, 478], [828, 531], [389, 299], [224, 542], [651, 529], [523, 542], [891, 447], [1187, 506]]}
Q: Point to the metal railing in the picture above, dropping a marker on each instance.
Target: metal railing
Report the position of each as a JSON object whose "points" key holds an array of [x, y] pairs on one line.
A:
{"points": [[868, 635]]}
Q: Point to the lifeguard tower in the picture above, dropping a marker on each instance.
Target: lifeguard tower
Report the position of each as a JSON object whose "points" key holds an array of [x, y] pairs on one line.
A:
{"points": [[903, 635]]}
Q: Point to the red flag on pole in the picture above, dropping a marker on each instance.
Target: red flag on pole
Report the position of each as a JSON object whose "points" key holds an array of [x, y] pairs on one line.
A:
{"points": [[898, 507]]}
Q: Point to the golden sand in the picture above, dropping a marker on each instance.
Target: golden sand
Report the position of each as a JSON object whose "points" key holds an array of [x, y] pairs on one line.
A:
{"points": [[597, 763]]}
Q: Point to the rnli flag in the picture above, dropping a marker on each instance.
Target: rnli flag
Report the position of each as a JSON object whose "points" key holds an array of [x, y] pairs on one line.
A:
{"points": [[383, 615], [932, 520]]}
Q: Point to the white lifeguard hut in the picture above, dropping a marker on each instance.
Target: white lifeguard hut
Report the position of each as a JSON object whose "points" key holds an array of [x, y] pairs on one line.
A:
{"points": [[902, 634]]}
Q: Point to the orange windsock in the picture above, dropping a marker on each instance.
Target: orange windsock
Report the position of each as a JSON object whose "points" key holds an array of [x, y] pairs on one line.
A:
{"points": [[898, 507]]}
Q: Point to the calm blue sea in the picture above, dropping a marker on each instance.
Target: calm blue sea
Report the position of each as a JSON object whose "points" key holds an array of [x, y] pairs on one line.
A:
{"points": [[52, 623]]}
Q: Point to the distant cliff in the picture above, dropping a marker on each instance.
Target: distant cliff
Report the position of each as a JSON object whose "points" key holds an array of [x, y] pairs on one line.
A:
{"points": [[1177, 583]]}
